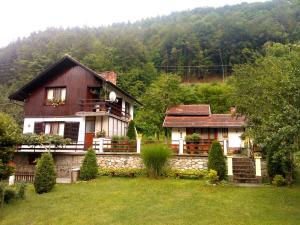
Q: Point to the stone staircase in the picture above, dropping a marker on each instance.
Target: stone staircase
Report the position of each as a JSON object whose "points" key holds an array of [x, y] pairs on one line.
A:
{"points": [[244, 170]]}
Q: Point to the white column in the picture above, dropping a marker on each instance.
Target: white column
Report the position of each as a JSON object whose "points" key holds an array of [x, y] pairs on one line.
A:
{"points": [[11, 180], [258, 166], [101, 145], [138, 145], [229, 165], [180, 146], [225, 146]]}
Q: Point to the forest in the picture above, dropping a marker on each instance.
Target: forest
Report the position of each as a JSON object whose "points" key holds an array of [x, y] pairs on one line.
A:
{"points": [[193, 45]]}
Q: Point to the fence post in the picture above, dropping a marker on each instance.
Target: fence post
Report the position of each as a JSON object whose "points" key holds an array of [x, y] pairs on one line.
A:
{"points": [[257, 166], [11, 180], [101, 144], [229, 167], [138, 145], [225, 146], [180, 146]]}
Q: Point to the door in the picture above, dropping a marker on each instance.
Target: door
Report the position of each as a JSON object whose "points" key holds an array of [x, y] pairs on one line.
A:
{"points": [[89, 132]]}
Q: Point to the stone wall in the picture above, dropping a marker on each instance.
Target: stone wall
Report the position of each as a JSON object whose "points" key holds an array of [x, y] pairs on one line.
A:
{"points": [[65, 162]]}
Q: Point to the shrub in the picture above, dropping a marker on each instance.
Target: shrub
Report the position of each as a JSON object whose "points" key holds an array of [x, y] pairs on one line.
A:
{"points": [[155, 158], [131, 134], [21, 189], [216, 160], [188, 173], [213, 176], [121, 172], [278, 180], [192, 138], [45, 175], [9, 194], [89, 167]]}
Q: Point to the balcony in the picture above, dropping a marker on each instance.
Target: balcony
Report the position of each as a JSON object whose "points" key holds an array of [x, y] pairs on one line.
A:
{"points": [[101, 107]]}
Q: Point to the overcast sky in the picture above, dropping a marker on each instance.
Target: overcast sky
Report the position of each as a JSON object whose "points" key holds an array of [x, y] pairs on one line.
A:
{"points": [[18, 18]]}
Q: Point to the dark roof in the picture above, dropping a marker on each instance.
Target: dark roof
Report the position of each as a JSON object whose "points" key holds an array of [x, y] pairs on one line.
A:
{"points": [[214, 120], [189, 110], [65, 62]]}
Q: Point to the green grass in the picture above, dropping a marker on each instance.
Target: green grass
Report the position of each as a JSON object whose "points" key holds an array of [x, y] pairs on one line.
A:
{"points": [[148, 201]]}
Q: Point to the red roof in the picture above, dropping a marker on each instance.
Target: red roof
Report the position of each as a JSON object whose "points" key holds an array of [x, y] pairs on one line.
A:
{"points": [[213, 120], [189, 110]]}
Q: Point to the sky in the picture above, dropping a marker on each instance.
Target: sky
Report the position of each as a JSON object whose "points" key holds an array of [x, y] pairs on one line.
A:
{"points": [[19, 18]]}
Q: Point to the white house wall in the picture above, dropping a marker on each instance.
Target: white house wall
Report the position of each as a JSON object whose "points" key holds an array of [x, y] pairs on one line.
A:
{"points": [[29, 124], [234, 138]]}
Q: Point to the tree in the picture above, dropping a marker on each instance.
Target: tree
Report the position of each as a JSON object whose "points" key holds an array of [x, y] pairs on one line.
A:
{"points": [[45, 175], [267, 92], [216, 160], [89, 167], [9, 138], [131, 133], [162, 93]]}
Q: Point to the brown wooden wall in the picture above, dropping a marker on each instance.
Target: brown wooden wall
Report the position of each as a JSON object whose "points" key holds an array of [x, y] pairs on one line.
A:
{"points": [[75, 79]]}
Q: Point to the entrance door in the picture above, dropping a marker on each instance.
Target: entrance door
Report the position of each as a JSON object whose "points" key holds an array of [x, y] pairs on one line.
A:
{"points": [[89, 132]]}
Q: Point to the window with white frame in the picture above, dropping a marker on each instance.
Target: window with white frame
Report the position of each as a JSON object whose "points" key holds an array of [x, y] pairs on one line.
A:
{"points": [[56, 95], [54, 128]]}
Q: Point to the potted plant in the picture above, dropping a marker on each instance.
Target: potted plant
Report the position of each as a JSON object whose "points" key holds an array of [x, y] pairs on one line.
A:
{"points": [[192, 142], [100, 134]]}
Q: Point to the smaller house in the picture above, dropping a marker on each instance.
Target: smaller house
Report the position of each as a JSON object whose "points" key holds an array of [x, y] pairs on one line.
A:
{"points": [[188, 119]]}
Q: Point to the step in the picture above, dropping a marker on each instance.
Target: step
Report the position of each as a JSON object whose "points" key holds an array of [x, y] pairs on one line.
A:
{"points": [[244, 173], [242, 167], [241, 160], [243, 164], [246, 180], [238, 176]]}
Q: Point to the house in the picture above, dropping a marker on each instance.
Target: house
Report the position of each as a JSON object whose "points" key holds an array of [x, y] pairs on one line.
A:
{"points": [[188, 119], [73, 101]]}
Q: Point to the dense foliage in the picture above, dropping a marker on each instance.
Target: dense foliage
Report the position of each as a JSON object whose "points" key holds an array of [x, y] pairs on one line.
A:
{"points": [[131, 134], [45, 175], [196, 43], [89, 167], [216, 160], [9, 138], [267, 92], [155, 158]]}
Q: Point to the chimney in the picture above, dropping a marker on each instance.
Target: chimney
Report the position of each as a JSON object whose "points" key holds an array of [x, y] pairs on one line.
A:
{"points": [[233, 110], [110, 76]]}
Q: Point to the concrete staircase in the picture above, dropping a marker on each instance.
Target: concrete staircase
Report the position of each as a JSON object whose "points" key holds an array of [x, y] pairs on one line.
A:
{"points": [[244, 170]]}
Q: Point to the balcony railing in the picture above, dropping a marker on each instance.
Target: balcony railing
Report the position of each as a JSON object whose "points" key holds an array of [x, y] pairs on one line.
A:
{"points": [[96, 105]]}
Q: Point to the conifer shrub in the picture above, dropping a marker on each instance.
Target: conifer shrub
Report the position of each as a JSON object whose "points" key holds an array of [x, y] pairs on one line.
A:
{"points": [[89, 167], [216, 160], [131, 131], [21, 190], [155, 158], [45, 175]]}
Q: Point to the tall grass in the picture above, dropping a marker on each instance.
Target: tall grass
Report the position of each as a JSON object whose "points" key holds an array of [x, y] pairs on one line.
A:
{"points": [[155, 158]]}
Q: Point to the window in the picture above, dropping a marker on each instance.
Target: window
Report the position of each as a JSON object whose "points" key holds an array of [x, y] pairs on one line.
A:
{"points": [[126, 108], [56, 95], [54, 128]]}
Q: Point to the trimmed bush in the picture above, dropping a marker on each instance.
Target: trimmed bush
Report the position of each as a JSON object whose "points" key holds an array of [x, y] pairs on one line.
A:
{"points": [[213, 176], [131, 131], [279, 180], [45, 175], [155, 158], [216, 160], [89, 167]]}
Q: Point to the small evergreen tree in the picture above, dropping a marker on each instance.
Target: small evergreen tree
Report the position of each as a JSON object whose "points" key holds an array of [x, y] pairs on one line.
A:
{"points": [[216, 160], [45, 175], [89, 167], [131, 131]]}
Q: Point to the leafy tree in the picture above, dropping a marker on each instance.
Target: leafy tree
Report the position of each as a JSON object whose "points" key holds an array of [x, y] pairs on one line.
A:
{"points": [[89, 167], [131, 134], [45, 175], [267, 92], [162, 93], [216, 160], [9, 138]]}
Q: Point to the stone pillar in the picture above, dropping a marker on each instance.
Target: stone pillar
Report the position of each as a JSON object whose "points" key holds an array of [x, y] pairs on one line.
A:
{"points": [[138, 145], [11, 180], [180, 146], [101, 145], [229, 167], [257, 166], [225, 146]]}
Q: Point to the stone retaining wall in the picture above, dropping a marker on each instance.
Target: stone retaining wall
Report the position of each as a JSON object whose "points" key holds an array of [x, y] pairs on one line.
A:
{"points": [[65, 162]]}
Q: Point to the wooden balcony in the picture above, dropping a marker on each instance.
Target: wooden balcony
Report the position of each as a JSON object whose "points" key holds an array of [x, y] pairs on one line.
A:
{"points": [[100, 106]]}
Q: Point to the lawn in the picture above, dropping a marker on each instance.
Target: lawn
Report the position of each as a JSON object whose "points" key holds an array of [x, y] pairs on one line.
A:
{"points": [[147, 201]]}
